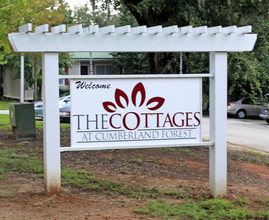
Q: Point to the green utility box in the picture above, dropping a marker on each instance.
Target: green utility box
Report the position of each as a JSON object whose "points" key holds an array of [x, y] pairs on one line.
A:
{"points": [[22, 119]]}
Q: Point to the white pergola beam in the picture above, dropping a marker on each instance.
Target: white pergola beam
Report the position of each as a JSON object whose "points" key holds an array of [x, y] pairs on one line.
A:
{"points": [[186, 30], [85, 30], [214, 30], [123, 30], [93, 29], [76, 29], [139, 29], [155, 29], [171, 29], [138, 39], [107, 30], [199, 30], [229, 30], [131, 42], [25, 28], [244, 30], [59, 29], [42, 29]]}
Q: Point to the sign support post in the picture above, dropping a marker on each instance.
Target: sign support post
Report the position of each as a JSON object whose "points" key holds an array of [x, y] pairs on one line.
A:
{"points": [[22, 79], [218, 121], [51, 124]]}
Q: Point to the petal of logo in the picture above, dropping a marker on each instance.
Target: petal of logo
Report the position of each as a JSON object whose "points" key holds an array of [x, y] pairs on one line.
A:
{"points": [[159, 104], [139, 88], [107, 106], [119, 93]]}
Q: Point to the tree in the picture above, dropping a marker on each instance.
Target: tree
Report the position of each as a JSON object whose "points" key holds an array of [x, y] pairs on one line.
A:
{"points": [[16, 13], [86, 16], [248, 72], [33, 69]]}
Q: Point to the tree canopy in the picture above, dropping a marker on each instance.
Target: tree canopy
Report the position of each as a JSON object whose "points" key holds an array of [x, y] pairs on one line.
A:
{"points": [[16, 13], [248, 71]]}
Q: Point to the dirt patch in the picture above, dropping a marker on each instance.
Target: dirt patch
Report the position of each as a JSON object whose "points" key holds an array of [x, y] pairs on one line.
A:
{"points": [[171, 169], [261, 171]]}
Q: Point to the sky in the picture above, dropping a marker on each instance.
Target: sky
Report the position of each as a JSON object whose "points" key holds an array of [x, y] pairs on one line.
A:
{"points": [[73, 3]]}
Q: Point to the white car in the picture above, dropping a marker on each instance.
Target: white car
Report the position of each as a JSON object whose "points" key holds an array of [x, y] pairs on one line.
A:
{"points": [[265, 111], [265, 114], [64, 102], [243, 107]]}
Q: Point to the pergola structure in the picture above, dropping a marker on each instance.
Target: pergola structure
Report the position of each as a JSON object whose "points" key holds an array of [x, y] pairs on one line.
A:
{"points": [[215, 40]]}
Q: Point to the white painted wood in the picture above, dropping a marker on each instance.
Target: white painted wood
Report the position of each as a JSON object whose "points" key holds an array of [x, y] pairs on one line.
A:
{"points": [[218, 120], [139, 29], [186, 30], [51, 125], [123, 30], [199, 30], [25, 28], [136, 76], [171, 29], [107, 30], [155, 29], [130, 146], [75, 29], [85, 30], [42, 29], [93, 29], [244, 30], [22, 79], [229, 30], [131, 42], [59, 29], [214, 30]]}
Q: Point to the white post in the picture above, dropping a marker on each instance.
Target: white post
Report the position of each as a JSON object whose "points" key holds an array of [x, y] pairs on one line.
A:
{"points": [[22, 79], [218, 120], [51, 125]]}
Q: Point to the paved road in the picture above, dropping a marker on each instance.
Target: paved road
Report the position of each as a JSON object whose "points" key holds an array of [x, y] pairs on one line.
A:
{"points": [[4, 112], [251, 133]]}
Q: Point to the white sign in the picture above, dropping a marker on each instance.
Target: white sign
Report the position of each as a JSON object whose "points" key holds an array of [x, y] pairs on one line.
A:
{"points": [[138, 112]]}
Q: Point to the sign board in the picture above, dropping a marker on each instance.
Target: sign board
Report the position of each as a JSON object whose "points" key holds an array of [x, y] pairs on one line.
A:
{"points": [[113, 113]]}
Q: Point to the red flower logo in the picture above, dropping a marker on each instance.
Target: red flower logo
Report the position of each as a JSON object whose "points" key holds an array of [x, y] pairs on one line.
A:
{"points": [[139, 88]]}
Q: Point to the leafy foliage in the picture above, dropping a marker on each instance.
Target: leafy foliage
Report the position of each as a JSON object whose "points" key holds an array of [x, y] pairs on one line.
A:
{"points": [[19, 12], [131, 63], [16, 13], [93, 15], [248, 72]]}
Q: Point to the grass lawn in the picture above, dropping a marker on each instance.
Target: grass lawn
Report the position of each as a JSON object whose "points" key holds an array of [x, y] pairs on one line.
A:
{"points": [[5, 124], [4, 105]]}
